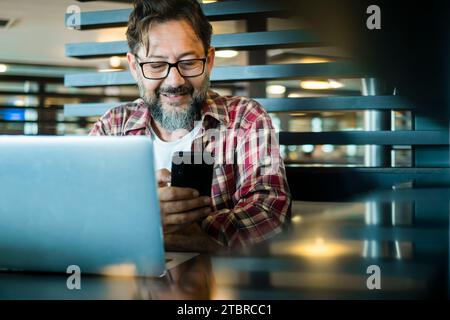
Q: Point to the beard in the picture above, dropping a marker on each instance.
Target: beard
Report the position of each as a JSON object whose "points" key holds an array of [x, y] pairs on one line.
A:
{"points": [[173, 117]]}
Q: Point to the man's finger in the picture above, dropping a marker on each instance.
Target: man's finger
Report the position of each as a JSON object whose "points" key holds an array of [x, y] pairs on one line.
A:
{"points": [[176, 193], [163, 177], [186, 217], [168, 207]]}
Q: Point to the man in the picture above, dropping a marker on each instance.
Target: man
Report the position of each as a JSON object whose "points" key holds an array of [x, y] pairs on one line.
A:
{"points": [[171, 59]]}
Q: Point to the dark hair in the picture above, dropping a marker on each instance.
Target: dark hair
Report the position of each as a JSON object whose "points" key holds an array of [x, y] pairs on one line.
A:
{"points": [[146, 12]]}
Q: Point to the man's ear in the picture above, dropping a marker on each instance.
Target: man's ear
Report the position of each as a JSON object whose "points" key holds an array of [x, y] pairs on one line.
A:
{"points": [[211, 56], [132, 64]]}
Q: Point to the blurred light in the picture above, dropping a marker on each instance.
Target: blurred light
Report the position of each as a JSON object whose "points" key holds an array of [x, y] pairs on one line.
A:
{"points": [[316, 124], [115, 62], [208, 1], [314, 60], [294, 95], [371, 249], [3, 67], [351, 150], [292, 148], [283, 151], [19, 103], [296, 219], [31, 115], [30, 128], [327, 148], [398, 251], [307, 148], [320, 249], [60, 116], [319, 241], [125, 269], [335, 84], [276, 89], [109, 70], [60, 128], [12, 114], [297, 114], [314, 85], [293, 155], [226, 53], [29, 86], [112, 91], [320, 84]]}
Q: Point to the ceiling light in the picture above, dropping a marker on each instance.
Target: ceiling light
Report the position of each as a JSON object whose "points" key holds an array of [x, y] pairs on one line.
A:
{"points": [[19, 103], [327, 148], [109, 70], [321, 249], [320, 84], [314, 60], [296, 219], [208, 1], [335, 84], [115, 62], [307, 148], [352, 150], [276, 89], [294, 95], [297, 114], [226, 53], [316, 124], [314, 85], [3, 67]]}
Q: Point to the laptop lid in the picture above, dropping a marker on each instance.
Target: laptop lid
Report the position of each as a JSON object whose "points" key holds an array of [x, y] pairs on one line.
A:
{"points": [[85, 201]]}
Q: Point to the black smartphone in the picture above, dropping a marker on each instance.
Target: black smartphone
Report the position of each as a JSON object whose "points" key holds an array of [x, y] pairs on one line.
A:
{"points": [[192, 170]]}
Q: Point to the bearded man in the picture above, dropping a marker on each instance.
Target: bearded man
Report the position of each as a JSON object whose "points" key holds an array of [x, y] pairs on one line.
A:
{"points": [[171, 59]]}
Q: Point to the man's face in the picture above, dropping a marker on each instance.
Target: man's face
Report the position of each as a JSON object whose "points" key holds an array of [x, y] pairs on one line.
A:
{"points": [[174, 101]]}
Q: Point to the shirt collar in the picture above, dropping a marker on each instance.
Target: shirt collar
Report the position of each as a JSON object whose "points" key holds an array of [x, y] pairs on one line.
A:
{"points": [[139, 118], [214, 107]]}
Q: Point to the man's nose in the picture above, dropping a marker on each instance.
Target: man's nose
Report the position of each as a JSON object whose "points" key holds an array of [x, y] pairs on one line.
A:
{"points": [[174, 78]]}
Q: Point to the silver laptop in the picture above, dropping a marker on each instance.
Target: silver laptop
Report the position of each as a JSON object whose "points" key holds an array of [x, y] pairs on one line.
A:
{"points": [[89, 202]]}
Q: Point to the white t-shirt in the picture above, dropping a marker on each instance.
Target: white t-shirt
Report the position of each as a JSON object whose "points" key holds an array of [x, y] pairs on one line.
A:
{"points": [[164, 150]]}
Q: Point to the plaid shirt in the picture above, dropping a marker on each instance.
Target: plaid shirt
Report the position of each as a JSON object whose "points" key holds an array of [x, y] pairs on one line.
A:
{"points": [[248, 204]]}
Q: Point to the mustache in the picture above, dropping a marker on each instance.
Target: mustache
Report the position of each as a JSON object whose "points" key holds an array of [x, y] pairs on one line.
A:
{"points": [[185, 89]]}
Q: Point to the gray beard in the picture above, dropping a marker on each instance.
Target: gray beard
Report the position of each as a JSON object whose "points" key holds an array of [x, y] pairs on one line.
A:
{"points": [[176, 118]]}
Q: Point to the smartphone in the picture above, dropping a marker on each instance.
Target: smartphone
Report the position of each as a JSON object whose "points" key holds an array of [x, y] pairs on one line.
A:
{"points": [[192, 170]]}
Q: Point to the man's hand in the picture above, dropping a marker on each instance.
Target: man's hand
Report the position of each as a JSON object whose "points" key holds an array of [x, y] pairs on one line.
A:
{"points": [[180, 207]]}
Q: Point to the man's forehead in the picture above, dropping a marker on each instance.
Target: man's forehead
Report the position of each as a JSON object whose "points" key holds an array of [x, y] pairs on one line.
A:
{"points": [[173, 37]]}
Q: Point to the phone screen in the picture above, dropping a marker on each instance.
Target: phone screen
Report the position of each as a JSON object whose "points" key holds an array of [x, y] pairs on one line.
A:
{"points": [[192, 170]]}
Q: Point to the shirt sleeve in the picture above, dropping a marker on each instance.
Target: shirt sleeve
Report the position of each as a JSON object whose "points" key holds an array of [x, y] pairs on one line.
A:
{"points": [[104, 125], [262, 194]]}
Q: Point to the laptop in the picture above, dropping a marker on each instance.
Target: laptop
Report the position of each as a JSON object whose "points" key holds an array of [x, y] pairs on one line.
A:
{"points": [[88, 202]]}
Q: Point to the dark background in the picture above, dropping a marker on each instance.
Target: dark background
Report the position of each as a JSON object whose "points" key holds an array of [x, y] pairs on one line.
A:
{"points": [[409, 52]]}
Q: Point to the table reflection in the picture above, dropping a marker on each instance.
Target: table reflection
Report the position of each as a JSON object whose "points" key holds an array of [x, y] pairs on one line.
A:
{"points": [[329, 247], [325, 253]]}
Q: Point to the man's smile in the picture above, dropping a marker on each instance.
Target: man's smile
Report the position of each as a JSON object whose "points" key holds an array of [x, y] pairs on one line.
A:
{"points": [[171, 97]]}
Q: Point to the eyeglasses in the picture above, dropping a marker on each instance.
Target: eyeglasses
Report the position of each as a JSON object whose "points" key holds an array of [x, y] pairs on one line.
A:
{"points": [[160, 69]]}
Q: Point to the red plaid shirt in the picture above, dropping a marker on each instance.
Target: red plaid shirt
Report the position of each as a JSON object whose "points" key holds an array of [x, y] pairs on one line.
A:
{"points": [[249, 204]]}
